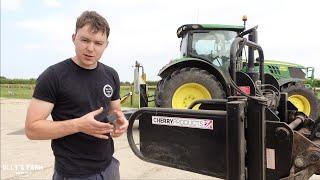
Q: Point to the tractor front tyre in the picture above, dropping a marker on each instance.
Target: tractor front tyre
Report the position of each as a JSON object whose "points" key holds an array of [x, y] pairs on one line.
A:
{"points": [[304, 99], [186, 85]]}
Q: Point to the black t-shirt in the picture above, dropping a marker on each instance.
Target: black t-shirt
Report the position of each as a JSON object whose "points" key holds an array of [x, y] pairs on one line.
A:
{"points": [[76, 91]]}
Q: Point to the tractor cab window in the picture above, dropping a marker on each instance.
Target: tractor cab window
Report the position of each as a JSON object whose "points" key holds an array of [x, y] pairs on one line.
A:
{"points": [[213, 45]]}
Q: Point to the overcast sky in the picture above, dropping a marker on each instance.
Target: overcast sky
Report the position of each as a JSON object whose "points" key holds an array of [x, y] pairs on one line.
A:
{"points": [[36, 34]]}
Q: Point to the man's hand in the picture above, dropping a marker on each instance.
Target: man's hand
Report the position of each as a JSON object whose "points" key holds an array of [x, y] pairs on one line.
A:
{"points": [[121, 124], [88, 125]]}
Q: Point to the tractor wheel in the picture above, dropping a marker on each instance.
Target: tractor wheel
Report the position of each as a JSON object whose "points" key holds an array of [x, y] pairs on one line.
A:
{"points": [[186, 85], [304, 99]]}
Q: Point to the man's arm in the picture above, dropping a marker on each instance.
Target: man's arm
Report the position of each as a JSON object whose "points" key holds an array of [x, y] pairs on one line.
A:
{"points": [[38, 127], [121, 124]]}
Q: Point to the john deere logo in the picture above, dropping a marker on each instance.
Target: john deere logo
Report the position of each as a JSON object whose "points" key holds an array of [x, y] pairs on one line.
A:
{"points": [[107, 90]]}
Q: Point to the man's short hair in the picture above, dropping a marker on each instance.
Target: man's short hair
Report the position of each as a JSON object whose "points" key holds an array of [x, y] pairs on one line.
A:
{"points": [[95, 20]]}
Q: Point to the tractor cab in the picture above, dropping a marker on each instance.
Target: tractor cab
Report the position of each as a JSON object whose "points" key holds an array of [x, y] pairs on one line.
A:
{"points": [[209, 42]]}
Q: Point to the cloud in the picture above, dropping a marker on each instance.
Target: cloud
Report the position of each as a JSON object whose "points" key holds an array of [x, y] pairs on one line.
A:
{"points": [[34, 46], [50, 34], [11, 5], [52, 3], [53, 24]]}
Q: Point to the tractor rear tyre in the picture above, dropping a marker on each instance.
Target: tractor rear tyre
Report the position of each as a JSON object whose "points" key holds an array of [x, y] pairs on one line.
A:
{"points": [[158, 95], [186, 85], [304, 99]]}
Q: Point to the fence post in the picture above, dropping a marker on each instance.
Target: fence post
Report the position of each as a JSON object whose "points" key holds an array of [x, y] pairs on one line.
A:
{"points": [[131, 97]]}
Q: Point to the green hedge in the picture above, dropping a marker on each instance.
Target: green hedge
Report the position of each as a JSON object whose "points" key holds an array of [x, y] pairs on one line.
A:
{"points": [[4, 80]]}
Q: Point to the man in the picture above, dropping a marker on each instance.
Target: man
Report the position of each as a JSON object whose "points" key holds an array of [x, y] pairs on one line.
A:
{"points": [[79, 93]]}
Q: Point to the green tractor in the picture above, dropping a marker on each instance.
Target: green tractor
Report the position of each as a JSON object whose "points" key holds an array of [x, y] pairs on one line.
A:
{"points": [[292, 79], [203, 71]]}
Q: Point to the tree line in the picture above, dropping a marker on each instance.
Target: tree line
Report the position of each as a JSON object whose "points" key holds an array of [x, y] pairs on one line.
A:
{"points": [[4, 80]]}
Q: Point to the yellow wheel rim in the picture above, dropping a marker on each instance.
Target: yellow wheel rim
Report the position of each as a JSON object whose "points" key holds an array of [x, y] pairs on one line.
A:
{"points": [[301, 103], [188, 93]]}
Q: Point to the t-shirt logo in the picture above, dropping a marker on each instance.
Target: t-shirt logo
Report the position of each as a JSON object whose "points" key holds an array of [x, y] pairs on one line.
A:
{"points": [[107, 90]]}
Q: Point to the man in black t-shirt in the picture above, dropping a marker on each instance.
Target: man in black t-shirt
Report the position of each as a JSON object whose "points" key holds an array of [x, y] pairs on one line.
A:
{"points": [[79, 93]]}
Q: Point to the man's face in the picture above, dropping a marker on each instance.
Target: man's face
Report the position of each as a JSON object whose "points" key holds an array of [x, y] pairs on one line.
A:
{"points": [[89, 46]]}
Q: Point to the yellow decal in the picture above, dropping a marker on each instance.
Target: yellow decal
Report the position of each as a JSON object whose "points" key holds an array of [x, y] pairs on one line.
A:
{"points": [[283, 68]]}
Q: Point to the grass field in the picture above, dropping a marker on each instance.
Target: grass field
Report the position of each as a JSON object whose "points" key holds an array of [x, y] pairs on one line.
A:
{"points": [[18, 91], [133, 101], [25, 91]]}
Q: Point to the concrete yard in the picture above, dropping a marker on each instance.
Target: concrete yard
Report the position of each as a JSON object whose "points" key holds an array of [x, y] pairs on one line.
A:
{"points": [[22, 158]]}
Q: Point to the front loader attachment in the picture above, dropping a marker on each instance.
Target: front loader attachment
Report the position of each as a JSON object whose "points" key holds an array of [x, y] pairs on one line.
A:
{"points": [[235, 143]]}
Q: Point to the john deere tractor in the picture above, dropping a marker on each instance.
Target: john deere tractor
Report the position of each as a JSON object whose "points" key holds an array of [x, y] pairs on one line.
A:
{"points": [[203, 71]]}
